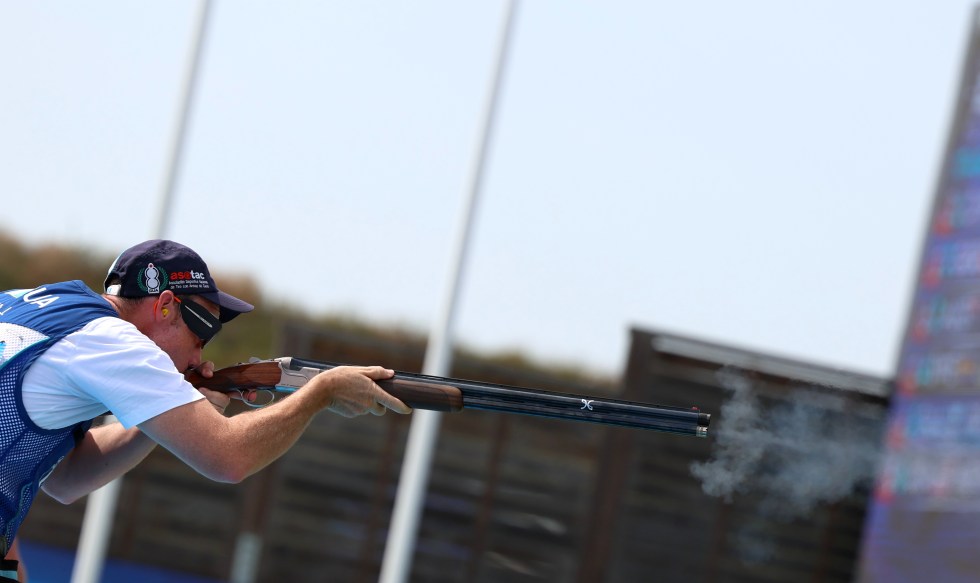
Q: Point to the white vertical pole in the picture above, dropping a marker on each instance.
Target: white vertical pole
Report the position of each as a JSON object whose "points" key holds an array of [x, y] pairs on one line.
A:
{"points": [[397, 562], [179, 137], [100, 510], [93, 541]]}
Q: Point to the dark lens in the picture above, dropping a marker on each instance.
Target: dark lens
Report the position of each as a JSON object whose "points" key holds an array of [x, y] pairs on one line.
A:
{"points": [[202, 323]]}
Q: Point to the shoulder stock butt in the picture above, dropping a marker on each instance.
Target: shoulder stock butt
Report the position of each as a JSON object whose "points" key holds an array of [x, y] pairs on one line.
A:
{"points": [[256, 375]]}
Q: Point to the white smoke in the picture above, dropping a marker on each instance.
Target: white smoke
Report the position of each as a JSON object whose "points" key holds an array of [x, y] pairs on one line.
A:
{"points": [[791, 456]]}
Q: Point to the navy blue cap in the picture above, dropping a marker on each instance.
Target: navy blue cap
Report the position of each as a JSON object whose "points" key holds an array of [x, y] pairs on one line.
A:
{"points": [[154, 266]]}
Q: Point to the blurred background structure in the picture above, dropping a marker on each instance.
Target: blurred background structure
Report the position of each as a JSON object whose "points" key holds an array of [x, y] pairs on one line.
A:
{"points": [[754, 178], [924, 523]]}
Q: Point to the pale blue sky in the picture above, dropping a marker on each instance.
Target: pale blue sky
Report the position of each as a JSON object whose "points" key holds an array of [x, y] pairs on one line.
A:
{"points": [[756, 173]]}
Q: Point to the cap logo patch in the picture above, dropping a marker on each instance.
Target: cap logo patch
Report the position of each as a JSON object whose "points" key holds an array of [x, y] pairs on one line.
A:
{"points": [[152, 280]]}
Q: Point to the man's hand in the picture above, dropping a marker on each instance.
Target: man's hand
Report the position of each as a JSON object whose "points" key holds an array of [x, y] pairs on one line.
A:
{"points": [[353, 391], [205, 369], [218, 400]]}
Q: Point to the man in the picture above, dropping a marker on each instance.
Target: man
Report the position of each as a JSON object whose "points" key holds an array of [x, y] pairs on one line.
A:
{"points": [[67, 355]]}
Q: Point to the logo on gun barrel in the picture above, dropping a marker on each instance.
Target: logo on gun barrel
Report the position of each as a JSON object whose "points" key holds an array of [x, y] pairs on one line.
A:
{"points": [[587, 404]]}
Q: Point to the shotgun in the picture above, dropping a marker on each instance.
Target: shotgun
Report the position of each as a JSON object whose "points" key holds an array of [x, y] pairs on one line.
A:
{"points": [[418, 391]]}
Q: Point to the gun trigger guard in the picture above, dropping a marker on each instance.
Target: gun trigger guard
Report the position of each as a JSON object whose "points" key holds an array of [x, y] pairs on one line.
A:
{"points": [[271, 399]]}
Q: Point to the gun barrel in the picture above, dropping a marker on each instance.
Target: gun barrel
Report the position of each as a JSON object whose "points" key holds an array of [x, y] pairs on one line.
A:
{"points": [[509, 399]]}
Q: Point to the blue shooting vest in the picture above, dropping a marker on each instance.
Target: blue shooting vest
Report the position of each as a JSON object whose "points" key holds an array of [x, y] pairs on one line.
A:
{"points": [[31, 321]]}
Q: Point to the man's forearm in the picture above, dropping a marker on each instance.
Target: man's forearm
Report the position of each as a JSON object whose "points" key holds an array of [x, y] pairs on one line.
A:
{"points": [[231, 449], [105, 453]]}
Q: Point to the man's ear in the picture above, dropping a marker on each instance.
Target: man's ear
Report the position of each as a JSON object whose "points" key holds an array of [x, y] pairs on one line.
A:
{"points": [[164, 305]]}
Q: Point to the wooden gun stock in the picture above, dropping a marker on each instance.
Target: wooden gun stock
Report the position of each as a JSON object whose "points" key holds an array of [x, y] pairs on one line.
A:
{"points": [[421, 395], [268, 375], [239, 377]]}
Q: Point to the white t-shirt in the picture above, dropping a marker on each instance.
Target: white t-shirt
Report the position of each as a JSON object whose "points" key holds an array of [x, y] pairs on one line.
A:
{"points": [[108, 364]]}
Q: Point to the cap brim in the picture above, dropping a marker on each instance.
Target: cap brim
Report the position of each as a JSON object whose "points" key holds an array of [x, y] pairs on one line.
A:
{"points": [[229, 304]]}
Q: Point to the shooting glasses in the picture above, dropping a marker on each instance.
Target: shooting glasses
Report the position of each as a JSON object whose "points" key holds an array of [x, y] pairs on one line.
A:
{"points": [[202, 323]]}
